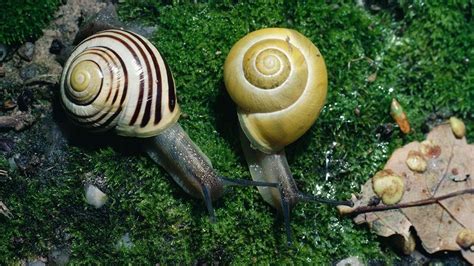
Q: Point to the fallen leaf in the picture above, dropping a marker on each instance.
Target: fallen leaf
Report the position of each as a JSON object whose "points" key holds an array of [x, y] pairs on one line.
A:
{"points": [[450, 169]]}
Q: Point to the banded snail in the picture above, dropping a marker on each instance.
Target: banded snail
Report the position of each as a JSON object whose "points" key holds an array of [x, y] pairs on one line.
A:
{"points": [[118, 80], [278, 80]]}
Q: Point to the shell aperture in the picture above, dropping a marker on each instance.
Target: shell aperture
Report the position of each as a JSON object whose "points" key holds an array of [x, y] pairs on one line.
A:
{"points": [[118, 79]]}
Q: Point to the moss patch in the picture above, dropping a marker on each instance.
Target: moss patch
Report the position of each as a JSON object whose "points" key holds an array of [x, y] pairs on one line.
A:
{"points": [[24, 19], [420, 53]]}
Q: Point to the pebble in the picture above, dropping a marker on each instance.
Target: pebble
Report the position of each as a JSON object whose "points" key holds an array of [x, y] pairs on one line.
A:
{"points": [[32, 70], [36, 263], [384, 131], [106, 18], [6, 145], [124, 242], [3, 51], [351, 261], [8, 105], [59, 256], [26, 51], [95, 196], [2, 71], [56, 46], [24, 100], [12, 162]]}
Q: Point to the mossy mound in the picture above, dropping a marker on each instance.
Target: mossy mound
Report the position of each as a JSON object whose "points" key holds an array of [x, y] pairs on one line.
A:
{"points": [[418, 53], [24, 19]]}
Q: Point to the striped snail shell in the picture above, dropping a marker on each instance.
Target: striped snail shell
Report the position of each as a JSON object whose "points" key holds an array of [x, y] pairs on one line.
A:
{"points": [[118, 79], [278, 79]]}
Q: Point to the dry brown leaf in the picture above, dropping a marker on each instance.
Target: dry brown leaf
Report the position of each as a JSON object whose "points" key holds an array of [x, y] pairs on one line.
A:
{"points": [[450, 168]]}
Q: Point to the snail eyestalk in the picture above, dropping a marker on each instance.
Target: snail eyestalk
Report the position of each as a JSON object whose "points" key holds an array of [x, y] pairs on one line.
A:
{"points": [[261, 184], [274, 168]]}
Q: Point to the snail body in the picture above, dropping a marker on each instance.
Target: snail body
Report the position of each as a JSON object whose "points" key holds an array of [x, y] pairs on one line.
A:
{"points": [[278, 80], [117, 80]]}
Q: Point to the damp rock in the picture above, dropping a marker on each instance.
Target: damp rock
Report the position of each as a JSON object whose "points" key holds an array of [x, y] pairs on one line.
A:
{"points": [[12, 162], [106, 18], [95, 197], [124, 242], [2, 71], [145, 31], [32, 70], [59, 256], [6, 145], [434, 119], [3, 52], [37, 262], [25, 99], [26, 51], [384, 131], [56, 46], [351, 261]]}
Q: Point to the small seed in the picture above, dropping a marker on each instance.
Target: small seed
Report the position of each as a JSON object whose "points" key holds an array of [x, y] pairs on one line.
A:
{"points": [[416, 162], [458, 127], [388, 186], [465, 238], [344, 209], [430, 150], [396, 111], [95, 196]]}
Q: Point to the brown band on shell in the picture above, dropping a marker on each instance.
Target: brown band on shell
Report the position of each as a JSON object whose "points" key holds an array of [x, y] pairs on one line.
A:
{"points": [[172, 88]]}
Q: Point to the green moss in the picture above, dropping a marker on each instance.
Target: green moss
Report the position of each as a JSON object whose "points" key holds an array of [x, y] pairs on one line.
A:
{"points": [[24, 19], [420, 52]]}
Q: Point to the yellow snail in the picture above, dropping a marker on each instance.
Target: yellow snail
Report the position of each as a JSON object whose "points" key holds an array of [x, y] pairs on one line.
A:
{"points": [[278, 80], [118, 80]]}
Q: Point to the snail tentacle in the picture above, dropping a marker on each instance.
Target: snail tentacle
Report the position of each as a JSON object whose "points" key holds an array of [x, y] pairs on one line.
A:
{"points": [[262, 184], [208, 201], [190, 168], [184, 161]]}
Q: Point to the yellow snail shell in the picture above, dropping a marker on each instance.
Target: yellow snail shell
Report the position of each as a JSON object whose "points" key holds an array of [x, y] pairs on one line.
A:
{"points": [[278, 79], [118, 79]]}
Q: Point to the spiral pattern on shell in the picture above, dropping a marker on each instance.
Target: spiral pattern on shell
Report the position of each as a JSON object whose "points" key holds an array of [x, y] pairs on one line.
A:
{"points": [[118, 79], [278, 79]]}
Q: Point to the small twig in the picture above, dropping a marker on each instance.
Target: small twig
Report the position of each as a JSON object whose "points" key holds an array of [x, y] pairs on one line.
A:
{"points": [[3, 172], [371, 61], [16, 121], [365, 209], [43, 79]]}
